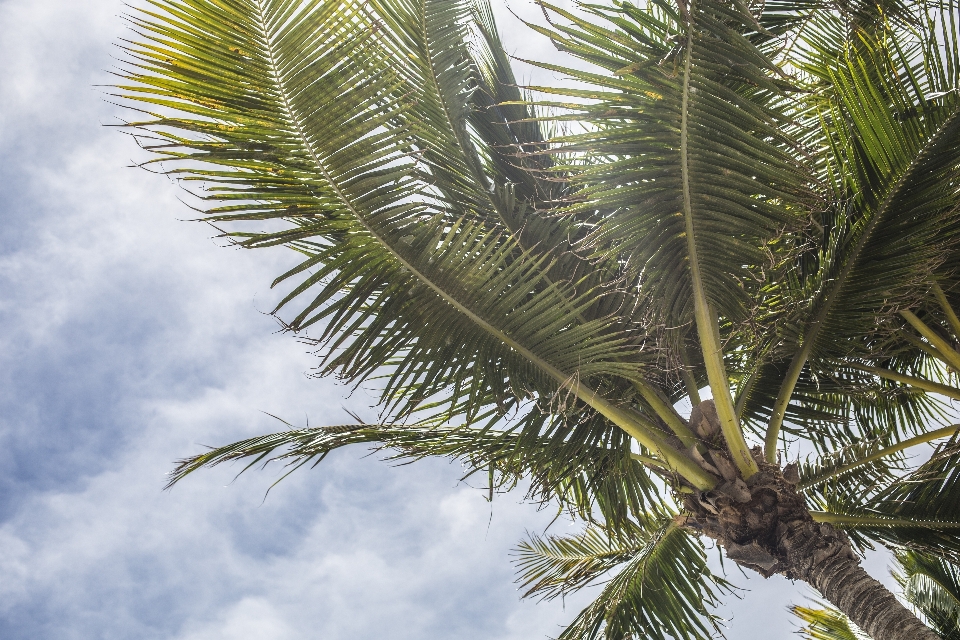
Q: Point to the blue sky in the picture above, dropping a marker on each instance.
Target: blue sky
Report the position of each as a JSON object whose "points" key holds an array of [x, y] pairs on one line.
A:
{"points": [[129, 338]]}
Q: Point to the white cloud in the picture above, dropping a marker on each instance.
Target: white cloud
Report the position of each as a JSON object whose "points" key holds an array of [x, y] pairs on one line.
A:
{"points": [[249, 618]]}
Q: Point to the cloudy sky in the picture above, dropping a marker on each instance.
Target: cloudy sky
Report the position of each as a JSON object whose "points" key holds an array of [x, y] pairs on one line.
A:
{"points": [[129, 338]]}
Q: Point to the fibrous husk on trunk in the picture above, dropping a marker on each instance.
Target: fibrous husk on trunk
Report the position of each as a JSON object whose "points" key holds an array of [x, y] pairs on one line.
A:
{"points": [[763, 524]]}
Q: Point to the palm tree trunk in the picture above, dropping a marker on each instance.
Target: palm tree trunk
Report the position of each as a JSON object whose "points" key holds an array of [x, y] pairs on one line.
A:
{"points": [[867, 602], [822, 557]]}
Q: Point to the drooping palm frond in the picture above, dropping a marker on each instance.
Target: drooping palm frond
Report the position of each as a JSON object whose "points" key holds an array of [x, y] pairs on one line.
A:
{"points": [[577, 464], [349, 122], [932, 586], [662, 589]]}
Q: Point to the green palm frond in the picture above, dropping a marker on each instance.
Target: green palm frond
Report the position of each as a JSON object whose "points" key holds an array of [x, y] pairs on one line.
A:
{"points": [[661, 590], [822, 477], [762, 199], [555, 566], [932, 586], [633, 109], [826, 623], [894, 128], [889, 112], [349, 122], [850, 407], [861, 469], [690, 168], [577, 463]]}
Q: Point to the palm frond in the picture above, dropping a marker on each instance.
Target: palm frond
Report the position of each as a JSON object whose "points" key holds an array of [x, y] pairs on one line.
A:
{"points": [[919, 511], [894, 131], [555, 566], [744, 185], [688, 166], [887, 101], [571, 461], [349, 122], [826, 623], [823, 476], [848, 406], [932, 586], [662, 589]]}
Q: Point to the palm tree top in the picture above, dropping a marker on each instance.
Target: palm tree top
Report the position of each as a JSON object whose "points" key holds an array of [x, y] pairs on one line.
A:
{"points": [[762, 200]]}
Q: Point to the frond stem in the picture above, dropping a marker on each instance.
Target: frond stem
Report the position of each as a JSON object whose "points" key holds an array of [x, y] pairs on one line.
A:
{"points": [[653, 462], [707, 327], [900, 446], [919, 383], [949, 354], [667, 413], [947, 309], [872, 521], [689, 380], [786, 392], [926, 347]]}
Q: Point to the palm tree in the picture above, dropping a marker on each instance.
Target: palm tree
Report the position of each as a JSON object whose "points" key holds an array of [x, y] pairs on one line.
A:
{"points": [[930, 584], [761, 199]]}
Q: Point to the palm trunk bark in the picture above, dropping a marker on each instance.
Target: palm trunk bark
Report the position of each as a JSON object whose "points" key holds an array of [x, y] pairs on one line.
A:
{"points": [[822, 557], [866, 602]]}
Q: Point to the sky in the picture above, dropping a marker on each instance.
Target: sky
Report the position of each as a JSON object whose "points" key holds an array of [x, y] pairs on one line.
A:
{"points": [[130, 338]]}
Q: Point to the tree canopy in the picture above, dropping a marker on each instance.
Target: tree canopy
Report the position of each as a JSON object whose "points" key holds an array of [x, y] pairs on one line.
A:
{"points": [[759, 199]]}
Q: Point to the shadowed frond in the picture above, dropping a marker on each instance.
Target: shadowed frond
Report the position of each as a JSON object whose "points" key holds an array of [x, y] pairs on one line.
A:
{"points": [[932, 586], [849, 407]]}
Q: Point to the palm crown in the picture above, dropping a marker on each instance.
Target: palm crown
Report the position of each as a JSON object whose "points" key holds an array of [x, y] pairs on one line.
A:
{"points": [[759, 199]]}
